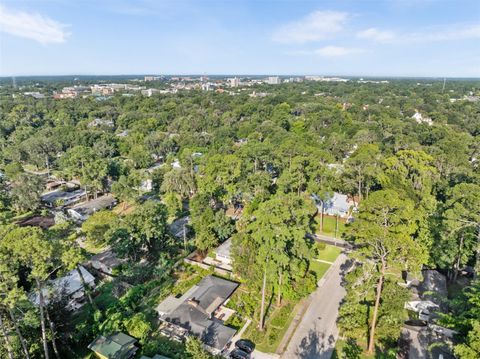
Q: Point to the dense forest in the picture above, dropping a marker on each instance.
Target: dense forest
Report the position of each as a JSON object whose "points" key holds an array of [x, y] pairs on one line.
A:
{"points": [[407, 150]]}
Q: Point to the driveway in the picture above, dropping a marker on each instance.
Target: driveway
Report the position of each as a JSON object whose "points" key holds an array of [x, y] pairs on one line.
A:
{"points": [[317, 332]]}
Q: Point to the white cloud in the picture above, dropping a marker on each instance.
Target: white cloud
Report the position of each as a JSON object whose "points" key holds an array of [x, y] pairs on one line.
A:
{"points": [[32, 26], [452, 32], [316, 26], [336, 51], [376, 35]]}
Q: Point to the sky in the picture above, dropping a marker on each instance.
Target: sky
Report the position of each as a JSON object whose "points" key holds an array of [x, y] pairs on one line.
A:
{"points": [[438, 38]]}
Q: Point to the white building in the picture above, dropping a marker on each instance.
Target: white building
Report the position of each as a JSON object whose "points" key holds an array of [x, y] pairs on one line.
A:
{"points": [[222, 253], [234, 82], [339, 205], [70, 285], [273, 80], [418, 117]]}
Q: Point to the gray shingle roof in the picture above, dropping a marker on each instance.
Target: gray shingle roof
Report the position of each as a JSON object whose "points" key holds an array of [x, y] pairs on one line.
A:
{"points": [[193, 310]]}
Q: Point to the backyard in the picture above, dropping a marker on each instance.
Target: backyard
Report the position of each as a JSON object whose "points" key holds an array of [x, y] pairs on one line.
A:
{"points": [[329, 226]]}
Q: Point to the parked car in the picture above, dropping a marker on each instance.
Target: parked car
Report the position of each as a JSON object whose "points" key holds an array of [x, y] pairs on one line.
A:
{"points": [[245, 345], [239, 354]]}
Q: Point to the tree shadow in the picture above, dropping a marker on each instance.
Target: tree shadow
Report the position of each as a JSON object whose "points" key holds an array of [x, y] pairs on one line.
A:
{"points": [[315, 345]]}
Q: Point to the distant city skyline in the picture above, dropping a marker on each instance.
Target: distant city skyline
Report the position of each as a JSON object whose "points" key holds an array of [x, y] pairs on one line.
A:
{"points": [[391, 38]]}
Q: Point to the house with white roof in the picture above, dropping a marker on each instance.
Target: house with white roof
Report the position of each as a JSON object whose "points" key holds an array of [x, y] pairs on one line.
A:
{"points": [[340, 205], [69, 285]]}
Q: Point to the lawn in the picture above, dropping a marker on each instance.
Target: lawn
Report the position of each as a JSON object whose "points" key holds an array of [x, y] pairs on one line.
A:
{"points": [[328, 253], [319, 268], [329, 224], [277, 324], [353, 350], [278, 319]]}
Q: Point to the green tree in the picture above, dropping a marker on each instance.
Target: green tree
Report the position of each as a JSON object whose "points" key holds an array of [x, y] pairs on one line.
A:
{"points": [[461, 220], [35, 252], [97, 225], [138, 326], [126, 189], [465, 319], [174, 203], [195, 350], [283, 252], [362, 168], [142, 232], [470, 349], [384, 233], [26, 191], [180, 181]]}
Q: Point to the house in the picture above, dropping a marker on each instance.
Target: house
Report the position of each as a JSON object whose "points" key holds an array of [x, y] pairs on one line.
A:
{"points": [[105, 261], [115, 346], [419, 118], [98, 122], [59, 198], [199, 311], [70, 285], [82, 211], [222, 253], [339, 205], [222, 259]]}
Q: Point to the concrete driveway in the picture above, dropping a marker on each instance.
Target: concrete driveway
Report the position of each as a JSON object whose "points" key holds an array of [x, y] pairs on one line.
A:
{"points": [[317, 332]]}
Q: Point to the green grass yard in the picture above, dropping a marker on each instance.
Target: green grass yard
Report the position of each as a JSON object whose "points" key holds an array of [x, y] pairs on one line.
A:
{"points": [[319, 268], [328, 253], [357, 352], [279, 319], [329, 224], [276, 325]]}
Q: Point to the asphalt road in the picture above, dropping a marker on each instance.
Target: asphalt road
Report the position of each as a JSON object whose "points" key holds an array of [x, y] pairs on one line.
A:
{"points": [[316, 334]]}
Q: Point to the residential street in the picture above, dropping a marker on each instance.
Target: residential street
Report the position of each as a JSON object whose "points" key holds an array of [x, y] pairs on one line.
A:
{"points": [[317, 332]]}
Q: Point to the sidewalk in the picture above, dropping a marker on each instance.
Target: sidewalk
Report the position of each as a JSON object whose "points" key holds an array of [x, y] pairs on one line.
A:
{"points": [[239, 334]]}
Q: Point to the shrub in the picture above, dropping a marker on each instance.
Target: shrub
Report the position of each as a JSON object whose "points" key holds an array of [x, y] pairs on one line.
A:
{"points": [[138, 326]]}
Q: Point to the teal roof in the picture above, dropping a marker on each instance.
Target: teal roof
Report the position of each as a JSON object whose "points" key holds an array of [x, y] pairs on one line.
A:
{"points": [[111, 345]]}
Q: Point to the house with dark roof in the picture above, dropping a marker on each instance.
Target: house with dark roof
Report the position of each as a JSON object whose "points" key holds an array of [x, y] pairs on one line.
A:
{"points": [[105, 261], [82, 211], [195, 311], [59, 198], [115, 346]]}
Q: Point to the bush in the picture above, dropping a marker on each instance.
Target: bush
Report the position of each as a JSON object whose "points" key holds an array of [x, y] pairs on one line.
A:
{"points": [[138, 326], [235, 321], [164, 346], [281, 317]]}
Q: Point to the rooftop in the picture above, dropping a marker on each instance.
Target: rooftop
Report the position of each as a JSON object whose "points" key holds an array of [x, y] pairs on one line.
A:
{"points": [[111, 345], [67, 285], [58, 195], [224, 249], [194, 309], [87, 208]]}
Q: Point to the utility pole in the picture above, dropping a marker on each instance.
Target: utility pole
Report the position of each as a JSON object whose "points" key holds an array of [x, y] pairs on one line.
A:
{"points": [[336, 225], [184, 238]]}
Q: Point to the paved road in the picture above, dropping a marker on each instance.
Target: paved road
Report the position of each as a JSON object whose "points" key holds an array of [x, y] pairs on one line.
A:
{"points": [[317, 332]]}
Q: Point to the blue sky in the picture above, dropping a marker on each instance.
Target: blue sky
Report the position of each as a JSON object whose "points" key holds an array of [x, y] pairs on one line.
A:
{"points": [[343, 37]]}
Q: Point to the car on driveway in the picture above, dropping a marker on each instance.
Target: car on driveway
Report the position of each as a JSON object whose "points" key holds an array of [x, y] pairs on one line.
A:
{"points": [[245, 345], [239, 354]]}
